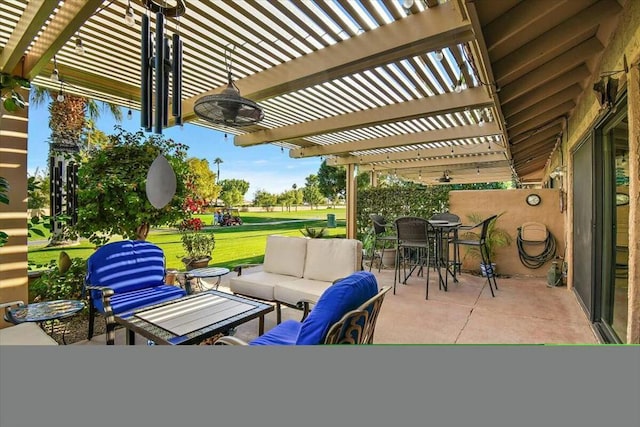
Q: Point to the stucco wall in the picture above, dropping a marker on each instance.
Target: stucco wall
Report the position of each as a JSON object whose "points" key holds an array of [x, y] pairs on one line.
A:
{"points": [[516, 212]]}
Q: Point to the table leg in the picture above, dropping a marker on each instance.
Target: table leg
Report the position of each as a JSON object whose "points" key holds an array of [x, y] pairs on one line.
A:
{"points": [[261, 325], [131, 337]]}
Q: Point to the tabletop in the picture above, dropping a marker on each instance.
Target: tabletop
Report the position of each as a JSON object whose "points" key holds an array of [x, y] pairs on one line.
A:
{"points": [[443, 223], [193, 318], [43, 311], [207, 272]]}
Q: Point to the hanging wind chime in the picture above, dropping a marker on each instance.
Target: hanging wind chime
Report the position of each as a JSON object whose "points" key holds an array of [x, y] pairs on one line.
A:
{"points": [[163, 61]]}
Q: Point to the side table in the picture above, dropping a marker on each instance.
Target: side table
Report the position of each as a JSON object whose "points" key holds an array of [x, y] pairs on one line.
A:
{"points": [[203, 273], [41, 312]]}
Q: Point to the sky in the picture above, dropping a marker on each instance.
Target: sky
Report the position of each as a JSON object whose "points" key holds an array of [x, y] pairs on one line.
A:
{"points": [[265, 167]]}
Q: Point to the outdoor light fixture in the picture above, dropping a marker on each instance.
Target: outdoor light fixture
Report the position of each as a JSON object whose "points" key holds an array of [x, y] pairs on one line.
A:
{"points": [[55, 75], [407, 4], [166, 63], [60, 97], [129, 17], [129, 114], [460, 85], [228, 107], [439, 55], [79, 46], [606, 92]]}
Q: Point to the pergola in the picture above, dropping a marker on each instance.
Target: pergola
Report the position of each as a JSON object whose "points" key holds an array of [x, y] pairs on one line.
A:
{"points": [[365, 83], [479, 90]]}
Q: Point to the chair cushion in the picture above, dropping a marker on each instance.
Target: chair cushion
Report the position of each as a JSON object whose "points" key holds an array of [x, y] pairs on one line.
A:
{"points": [[299, 289], [126, 266], [258, 285], [285, 255], [128, 301], [331, 259], [25, 334], [346, 295], [283, 334]]}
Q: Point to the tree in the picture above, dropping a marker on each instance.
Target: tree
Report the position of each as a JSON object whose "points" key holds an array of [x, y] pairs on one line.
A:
{"points": [[287, 198], [112, 199], [37, 192], [233, 191], [204, 185], [265, 199], [311, 192], [217, 162], [332, 181], [71, 123], [232, 197]]}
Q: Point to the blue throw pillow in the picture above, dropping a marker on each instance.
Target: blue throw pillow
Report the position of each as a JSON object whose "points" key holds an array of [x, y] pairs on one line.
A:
{"points": [[346, 295]]}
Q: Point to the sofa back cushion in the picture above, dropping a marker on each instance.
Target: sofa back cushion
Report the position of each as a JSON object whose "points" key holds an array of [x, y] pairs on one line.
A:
{"points": [[331, 259], [126, 266], [340, 298], [285, 255]]}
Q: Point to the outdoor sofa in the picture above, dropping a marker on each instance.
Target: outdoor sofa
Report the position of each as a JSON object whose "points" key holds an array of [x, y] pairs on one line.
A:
{"points": [[297, 270]]}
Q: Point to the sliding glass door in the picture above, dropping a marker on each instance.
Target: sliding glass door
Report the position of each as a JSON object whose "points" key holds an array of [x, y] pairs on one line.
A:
{"points": [[613, 305]]}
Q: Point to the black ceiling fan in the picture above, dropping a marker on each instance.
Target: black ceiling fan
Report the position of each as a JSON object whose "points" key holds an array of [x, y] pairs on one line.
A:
{"points": [[446, 177]]}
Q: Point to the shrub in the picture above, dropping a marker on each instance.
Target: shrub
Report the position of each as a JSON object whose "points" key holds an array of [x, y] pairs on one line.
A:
{"points": [[57, 284]]}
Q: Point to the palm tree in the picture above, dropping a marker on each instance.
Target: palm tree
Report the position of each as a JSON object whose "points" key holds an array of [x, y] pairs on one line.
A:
{"points": [[68, 122], [217, 162]]}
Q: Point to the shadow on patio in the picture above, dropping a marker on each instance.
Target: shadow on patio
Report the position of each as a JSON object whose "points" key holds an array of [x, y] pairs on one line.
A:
{"points": [[524, 311]]}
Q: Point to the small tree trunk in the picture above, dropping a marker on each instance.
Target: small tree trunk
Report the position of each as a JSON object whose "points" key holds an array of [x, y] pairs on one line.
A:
{"points": [[142, 231]]}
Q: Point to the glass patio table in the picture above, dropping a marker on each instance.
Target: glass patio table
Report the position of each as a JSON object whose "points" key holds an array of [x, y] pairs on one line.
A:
{"points": [[46, 311]]}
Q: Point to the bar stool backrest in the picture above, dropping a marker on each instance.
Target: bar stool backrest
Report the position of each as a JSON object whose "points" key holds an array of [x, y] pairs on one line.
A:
{"points": [[379, 223], [412, 229]]}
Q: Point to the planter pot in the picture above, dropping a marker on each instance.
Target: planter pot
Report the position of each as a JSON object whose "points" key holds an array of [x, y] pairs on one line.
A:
{"points": [[389, 258], [491, 270], [191, 263]]}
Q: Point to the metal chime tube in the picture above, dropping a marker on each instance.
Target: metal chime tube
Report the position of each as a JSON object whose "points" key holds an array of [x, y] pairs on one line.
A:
{"points": [[166, 70], [159, 67], [72, 194], [146, 107], [177, 79]]}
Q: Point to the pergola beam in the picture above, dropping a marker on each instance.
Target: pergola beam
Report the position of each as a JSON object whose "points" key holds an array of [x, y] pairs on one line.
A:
{"points": [[541, 119], [552, 43], [416, 34], [426, 137], [497, 162], [571, 77], [64, 24], [546, 104], [96, 82], [416, 153], [434, 105], [446, 162], [35, 15], [551, 70]]}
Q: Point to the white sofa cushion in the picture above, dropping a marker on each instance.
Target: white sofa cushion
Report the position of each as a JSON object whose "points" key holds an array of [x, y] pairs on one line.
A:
{"points": [[25, 334], [331, 259], [300, 289], [285, 255], [258, 285]]}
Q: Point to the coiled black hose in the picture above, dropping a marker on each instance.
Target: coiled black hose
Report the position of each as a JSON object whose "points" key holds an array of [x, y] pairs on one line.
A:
{"points": [[536, 261]]}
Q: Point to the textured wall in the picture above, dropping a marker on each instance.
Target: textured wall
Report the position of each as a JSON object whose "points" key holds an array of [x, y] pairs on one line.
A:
{"points": [[517, 211]]}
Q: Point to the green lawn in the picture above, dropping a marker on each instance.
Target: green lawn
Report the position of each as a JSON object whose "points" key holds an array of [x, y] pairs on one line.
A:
{"points": [[234, 245]]}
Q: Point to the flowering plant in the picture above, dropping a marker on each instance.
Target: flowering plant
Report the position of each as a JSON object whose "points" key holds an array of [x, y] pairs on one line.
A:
{"points": [[197, 242]]}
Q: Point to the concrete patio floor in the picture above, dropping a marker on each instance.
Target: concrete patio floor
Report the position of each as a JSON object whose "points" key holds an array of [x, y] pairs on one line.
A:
{"points": [[524, 311]]}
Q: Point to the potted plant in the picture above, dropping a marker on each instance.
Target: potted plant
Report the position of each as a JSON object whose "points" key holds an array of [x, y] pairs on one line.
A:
{"points": [[496, 238], [197, 243]]}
